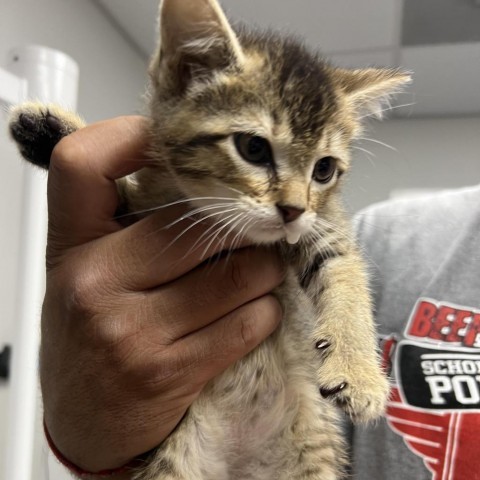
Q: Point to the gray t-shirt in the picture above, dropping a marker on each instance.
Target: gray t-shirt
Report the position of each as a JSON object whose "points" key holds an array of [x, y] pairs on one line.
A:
{"points": [[424, 257]]}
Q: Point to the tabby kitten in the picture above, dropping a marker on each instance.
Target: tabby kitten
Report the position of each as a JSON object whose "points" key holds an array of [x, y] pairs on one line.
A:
{"points": [[256, 131]]}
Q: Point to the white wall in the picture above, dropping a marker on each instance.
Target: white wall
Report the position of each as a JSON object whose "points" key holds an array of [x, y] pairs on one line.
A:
{"points": [[112, 79], [112, 73], [430, 153]]}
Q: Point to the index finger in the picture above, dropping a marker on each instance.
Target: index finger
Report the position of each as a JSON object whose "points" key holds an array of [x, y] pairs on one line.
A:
{"points": [[82, 194], [163, 247]]}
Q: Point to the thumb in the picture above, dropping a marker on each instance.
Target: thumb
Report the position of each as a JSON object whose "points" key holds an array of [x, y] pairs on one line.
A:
{"points": [[82, 194]]}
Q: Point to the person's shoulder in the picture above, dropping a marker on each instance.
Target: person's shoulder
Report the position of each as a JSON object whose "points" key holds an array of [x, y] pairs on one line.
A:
{"points": [[414, 227], [421, 210]]}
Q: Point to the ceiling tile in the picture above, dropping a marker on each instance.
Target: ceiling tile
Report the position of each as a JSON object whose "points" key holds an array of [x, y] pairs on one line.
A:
{"points": [[427, 22], [445, 78], [137, 18], [332, 25], [352, 33]]}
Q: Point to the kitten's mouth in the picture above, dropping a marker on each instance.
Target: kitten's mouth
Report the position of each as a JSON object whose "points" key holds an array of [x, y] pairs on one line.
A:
{"points": [[277, 232], [292, 237], [287, 233]]}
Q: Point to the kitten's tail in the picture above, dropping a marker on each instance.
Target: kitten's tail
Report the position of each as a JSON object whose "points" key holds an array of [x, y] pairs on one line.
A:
{"points": [[37, 128]]}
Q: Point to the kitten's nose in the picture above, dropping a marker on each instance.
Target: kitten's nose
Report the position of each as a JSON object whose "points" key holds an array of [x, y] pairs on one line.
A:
{"points": [[289, 213]]}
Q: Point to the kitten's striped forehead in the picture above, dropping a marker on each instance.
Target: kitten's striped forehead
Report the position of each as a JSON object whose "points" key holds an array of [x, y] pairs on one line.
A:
{"points": [[281, 92], [303, 86], [280, 78]]}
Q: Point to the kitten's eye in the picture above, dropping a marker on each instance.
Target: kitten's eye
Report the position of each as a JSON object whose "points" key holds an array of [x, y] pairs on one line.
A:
{"points": [[253, 149], [324, 169]]}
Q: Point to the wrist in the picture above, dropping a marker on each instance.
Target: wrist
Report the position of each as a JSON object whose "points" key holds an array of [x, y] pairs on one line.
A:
{"points": [[119, 476], [121, 473]]}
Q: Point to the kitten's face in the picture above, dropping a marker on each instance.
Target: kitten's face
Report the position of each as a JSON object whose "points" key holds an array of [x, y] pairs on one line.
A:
{"points": [[252, 172], [255, 128]]}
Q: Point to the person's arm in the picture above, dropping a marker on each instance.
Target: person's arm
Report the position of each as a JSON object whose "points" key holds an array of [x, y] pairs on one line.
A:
{"points": [[132, 327]]}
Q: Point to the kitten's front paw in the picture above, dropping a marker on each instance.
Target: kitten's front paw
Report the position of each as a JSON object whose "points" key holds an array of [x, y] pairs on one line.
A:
{"points": [[361, 389], [37, 128]]}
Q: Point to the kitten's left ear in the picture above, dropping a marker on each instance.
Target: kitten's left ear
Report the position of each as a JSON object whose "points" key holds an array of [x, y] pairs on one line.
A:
{"points": [[367, 90], [196, 40]]}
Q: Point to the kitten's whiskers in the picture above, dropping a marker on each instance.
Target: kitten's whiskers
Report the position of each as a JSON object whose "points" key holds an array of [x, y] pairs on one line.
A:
{"points": [[389, 107], [241, 233], [196, 211], [205, 237], [215, 234], [238, 237], [234, 189], [367, 153], [379, 143], [201, 219], [166, 205]]}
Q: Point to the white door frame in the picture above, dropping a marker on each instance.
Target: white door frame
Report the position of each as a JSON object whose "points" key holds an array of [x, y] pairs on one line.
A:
{"points": [[48, 76]]}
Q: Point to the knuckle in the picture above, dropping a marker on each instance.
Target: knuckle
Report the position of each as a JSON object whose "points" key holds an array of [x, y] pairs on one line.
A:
{"points": [[153, 373], [125, 351], [265, 310], [237, 274], [85, 291], [80, 298], [255, 271], [114, 334], [140, 354], [248, 334], [231, 278]]}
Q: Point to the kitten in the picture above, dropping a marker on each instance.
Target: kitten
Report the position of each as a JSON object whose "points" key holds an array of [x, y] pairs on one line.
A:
{"points": [[264, 125]]}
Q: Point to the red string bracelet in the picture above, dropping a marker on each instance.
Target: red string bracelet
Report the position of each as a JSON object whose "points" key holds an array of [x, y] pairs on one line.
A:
{"points": [[77, 470]]}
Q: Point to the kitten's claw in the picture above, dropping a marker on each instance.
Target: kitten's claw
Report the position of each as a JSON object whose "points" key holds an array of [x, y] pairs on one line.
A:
{"points": [[360, 389], [362, 402], [322, 344], [328, 392]]}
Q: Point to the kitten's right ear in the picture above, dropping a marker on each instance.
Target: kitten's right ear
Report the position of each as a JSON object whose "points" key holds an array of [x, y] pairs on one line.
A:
{"points": [[195, 40], [367, 90]]}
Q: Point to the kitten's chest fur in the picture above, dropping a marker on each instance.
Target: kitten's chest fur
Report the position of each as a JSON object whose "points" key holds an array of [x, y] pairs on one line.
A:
{"points": [[258, 382], [253, 405]]}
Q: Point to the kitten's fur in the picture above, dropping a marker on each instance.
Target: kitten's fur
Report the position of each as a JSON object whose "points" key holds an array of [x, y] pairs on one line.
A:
{"points": [[264, 418]]}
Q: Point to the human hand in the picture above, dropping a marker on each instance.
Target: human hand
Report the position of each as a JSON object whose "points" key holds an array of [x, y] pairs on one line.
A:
{"points": [[131, 330]]}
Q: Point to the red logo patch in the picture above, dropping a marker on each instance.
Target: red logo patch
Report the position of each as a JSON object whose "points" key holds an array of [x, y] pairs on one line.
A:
{"points": [[435, 321], [435, 406], [447, 442]]}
